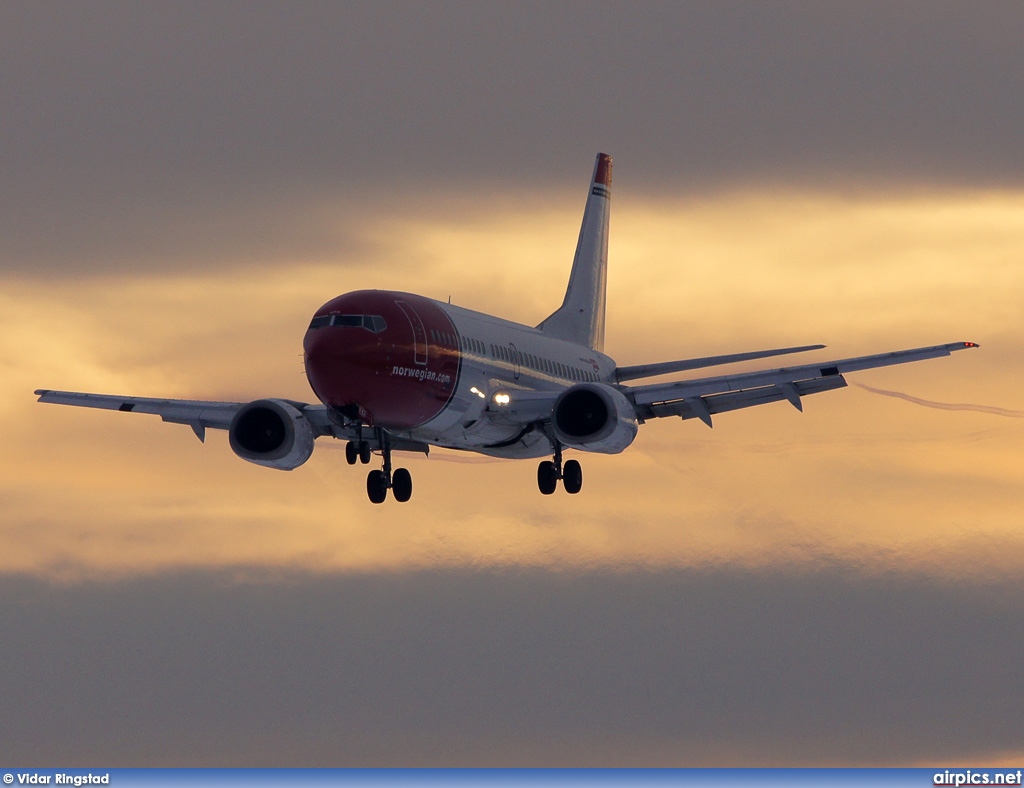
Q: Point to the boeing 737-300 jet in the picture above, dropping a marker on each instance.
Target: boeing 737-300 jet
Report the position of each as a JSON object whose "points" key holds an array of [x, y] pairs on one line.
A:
{"points": [[400, 372]]}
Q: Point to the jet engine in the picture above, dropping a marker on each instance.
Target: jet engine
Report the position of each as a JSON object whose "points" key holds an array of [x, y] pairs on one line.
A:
{"points": [[594, 417], [272, 433]]}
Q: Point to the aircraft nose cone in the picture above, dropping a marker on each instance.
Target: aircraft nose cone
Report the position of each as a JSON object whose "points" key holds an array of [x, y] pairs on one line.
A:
{"points": [[393, 356], [338, 361]]}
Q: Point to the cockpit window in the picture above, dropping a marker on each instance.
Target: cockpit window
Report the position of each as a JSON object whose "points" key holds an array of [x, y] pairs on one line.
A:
{"points": [[372, 323]]}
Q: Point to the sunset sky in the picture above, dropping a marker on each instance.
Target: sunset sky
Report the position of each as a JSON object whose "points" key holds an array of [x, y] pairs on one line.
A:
{"points": [[184, 184]]}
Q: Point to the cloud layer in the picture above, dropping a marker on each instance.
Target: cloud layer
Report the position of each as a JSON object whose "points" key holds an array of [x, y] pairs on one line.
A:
{"points": [[181, 129], [513, 668], [855, 476]]}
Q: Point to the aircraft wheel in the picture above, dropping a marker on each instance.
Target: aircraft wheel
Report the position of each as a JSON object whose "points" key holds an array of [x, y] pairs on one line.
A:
{"points": [[351, 453], [547, 477], [364, 452], [377, 486], [572, 477], [401, 485]]}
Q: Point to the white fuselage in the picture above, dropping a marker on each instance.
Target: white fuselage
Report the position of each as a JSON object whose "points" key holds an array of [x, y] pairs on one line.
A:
{"points": [[501, 356]]}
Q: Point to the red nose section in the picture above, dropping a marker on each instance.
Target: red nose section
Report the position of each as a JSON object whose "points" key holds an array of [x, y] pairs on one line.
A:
{"points": [[392, 358]]}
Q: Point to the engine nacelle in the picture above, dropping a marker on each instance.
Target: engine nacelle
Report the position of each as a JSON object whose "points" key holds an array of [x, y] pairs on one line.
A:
{"points": [[594, 417], [271, 433]]}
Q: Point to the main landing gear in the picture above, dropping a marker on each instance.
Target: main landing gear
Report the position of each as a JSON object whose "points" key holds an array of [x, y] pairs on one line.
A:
{"points": [[550, 471], [399, 480], [357, 451]]}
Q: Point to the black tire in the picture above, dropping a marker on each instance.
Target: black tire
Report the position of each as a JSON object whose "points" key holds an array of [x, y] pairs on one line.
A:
{"points": [[351, 453], [547, 477], [364, 452], [401, 485], [572, 477], [376, 486]]}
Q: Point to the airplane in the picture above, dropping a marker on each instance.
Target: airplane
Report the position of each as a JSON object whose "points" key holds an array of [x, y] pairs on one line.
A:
{"points": [[395, 371]]}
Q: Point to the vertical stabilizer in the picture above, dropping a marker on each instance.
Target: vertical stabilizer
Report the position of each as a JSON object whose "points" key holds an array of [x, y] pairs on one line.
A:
{"points": [[580, 318]]}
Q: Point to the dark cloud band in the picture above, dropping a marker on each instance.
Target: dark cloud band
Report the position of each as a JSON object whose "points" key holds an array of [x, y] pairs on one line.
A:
{"points": [[139, 122], [516, 667]]}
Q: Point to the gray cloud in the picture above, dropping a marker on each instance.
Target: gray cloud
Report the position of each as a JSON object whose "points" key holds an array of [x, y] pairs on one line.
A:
{"points": [[511, 667], [128, 125]]}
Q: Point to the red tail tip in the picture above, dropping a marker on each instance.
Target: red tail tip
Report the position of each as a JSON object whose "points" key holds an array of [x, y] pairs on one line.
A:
{"points": [[604, 169]]}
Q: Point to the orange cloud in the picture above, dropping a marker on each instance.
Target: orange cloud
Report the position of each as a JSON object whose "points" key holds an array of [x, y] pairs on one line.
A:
{"points": [[855, 478]]}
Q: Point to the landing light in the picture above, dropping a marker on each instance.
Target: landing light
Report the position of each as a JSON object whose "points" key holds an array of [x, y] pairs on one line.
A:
{"points": [[478, 392], [502, 399]]}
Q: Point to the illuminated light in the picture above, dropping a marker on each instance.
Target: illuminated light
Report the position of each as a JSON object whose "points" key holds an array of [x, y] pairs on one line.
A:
{"points": [[502, 399], [478, 392]]}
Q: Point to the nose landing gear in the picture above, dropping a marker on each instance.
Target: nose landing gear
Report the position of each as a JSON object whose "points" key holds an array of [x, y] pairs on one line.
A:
{"points": [[549, 472], [378, 482]]}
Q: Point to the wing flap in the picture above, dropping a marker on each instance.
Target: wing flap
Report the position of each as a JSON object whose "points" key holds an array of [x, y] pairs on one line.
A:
{"points": [[704, 407]]}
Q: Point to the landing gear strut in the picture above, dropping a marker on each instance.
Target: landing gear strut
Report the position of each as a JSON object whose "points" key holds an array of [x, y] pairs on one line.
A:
{"points": [[399, 480], [549, 472]]}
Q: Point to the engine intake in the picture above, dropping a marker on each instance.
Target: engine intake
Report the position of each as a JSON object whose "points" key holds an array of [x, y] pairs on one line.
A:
{"points": [[594, 417], [272, 433]]}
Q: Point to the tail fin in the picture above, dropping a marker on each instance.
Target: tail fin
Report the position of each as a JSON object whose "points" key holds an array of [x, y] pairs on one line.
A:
{"points": [[580, 318]]}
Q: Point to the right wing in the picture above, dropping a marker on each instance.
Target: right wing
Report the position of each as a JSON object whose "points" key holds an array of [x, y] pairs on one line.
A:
{"points": [[202, 414], [704, 397], [197, 414]]}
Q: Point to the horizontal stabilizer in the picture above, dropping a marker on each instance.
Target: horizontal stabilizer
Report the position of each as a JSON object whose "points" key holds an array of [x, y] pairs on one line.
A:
{"points": [[623, 374]]}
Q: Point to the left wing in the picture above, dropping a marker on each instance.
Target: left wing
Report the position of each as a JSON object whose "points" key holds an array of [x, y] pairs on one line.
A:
{"points": [[703, 397], [622, 374]]}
